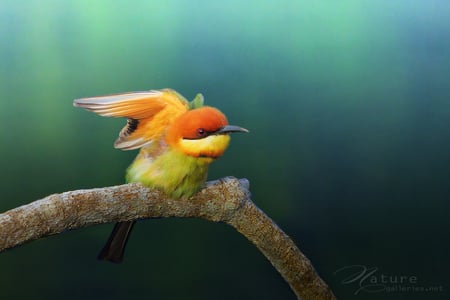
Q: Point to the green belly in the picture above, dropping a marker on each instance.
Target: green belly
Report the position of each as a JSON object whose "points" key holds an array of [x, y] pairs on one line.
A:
{"points": [[176, 174]]}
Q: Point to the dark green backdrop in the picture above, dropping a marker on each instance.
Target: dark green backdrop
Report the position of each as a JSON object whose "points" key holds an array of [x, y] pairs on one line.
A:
{"points": [[348, 107]]}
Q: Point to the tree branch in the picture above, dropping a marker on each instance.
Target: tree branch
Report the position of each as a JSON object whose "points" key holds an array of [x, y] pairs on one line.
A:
{"points": [[226, 200]]}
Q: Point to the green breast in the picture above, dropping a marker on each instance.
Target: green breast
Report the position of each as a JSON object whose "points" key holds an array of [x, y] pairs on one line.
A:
{"points": [[176, 174]]}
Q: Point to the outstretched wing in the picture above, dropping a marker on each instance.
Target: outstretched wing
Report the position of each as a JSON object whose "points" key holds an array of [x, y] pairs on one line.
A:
{"points": [[149, 114]]}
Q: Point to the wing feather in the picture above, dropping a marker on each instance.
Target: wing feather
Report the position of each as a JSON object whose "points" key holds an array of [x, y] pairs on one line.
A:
{"points": [[131, 105], [149, 114]]}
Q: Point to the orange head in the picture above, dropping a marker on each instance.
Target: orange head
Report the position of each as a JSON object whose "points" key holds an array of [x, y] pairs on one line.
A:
{"points": [[201, 132]]}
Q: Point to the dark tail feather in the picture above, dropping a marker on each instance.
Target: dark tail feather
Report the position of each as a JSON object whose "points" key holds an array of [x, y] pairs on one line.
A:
{"points": [[115, 246]]}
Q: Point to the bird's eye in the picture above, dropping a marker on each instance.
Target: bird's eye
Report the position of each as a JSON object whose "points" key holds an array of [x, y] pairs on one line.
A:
{"points": [[201, 132]]}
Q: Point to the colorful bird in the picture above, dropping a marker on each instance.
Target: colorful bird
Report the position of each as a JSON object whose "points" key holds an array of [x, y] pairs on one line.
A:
{"points": [[178, 141]]}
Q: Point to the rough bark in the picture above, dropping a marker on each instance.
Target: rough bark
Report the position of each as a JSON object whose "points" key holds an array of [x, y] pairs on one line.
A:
{"points": [[226, 200]]}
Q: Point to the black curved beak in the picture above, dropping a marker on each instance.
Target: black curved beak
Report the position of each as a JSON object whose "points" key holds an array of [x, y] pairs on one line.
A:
{"points": [[230, 128]]}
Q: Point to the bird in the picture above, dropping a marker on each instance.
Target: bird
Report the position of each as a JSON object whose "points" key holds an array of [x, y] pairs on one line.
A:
{"points": [[177, 139]]}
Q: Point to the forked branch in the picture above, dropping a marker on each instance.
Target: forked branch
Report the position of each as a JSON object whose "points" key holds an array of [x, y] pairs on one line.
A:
{"points": [[226, 200]]}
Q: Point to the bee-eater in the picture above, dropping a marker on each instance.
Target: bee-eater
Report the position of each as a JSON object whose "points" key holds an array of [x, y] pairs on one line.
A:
{"points": [[178, 140]]}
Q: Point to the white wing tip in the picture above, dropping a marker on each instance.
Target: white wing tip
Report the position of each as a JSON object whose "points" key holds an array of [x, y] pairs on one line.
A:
{"points": [[108, 99], [131, 144]]}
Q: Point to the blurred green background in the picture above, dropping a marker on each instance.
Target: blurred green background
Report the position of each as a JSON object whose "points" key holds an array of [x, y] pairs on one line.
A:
{"points": [[348, 107]]}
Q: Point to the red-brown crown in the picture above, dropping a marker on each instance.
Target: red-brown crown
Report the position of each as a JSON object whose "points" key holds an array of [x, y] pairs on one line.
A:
{"points": [[196, 124]]}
